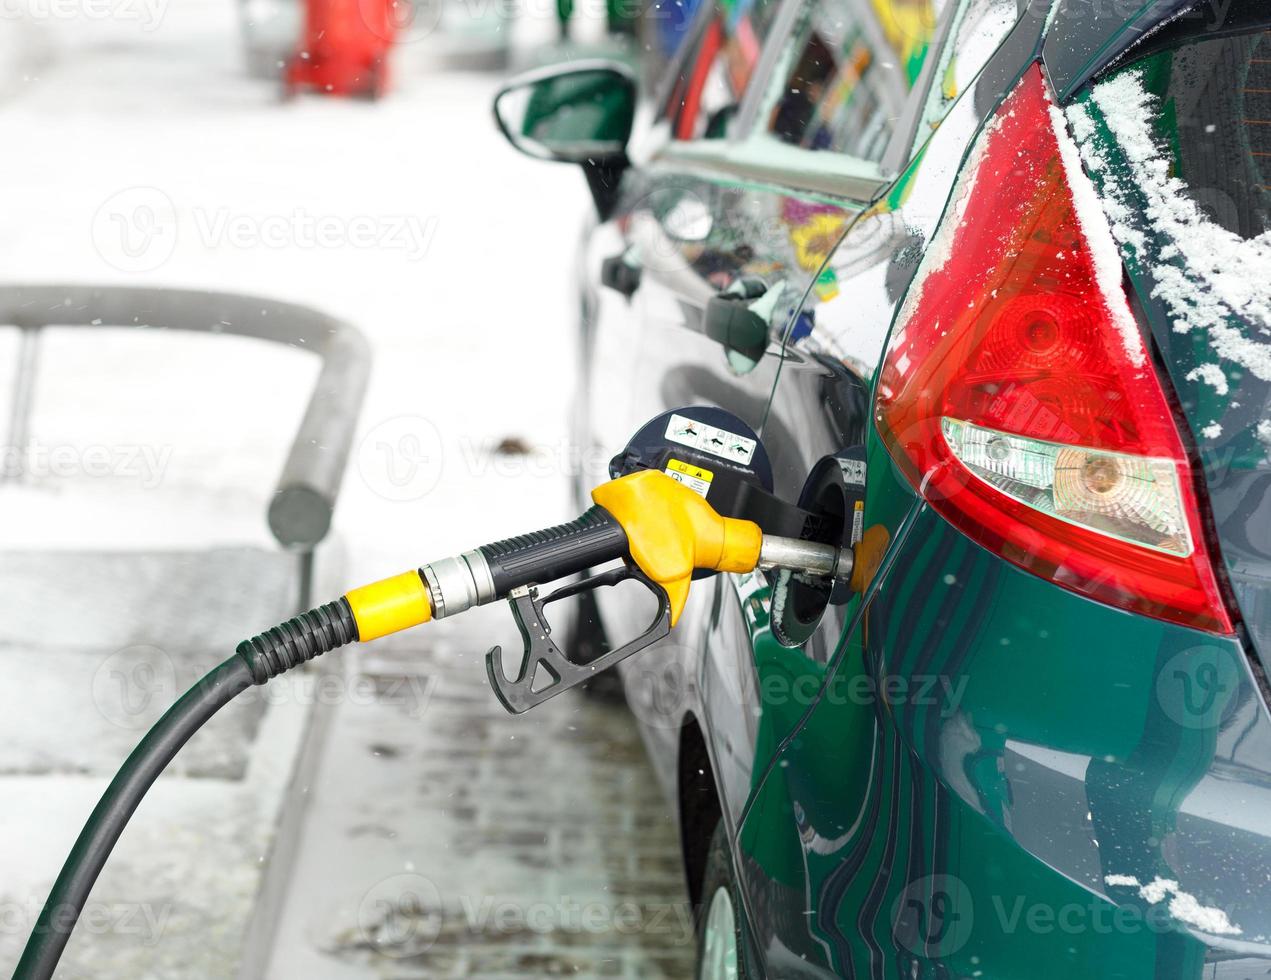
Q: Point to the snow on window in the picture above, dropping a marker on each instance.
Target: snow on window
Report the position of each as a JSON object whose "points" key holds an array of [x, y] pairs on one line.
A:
{"points": [[1212, 375], [978, 31], [1209, 278], [1103, 249]]}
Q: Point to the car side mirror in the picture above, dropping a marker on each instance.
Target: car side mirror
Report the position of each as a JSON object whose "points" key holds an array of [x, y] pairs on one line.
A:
{"points": [[579, 113]]}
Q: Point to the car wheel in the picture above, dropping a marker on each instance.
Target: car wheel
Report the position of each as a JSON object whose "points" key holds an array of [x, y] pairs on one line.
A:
{"points": [[719, 923]]}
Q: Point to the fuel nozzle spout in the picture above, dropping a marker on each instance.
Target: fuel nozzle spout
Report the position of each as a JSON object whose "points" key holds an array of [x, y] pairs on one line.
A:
{"points": [[809, 557], [645, 518]]}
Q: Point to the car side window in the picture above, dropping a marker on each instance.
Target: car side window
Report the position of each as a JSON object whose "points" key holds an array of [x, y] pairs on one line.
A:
{"points": [[848, 73], [979, 28], [705, 99]]}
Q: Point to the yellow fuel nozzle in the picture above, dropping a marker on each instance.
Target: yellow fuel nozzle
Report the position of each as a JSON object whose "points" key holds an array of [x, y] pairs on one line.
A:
{"points": [[662, 530], [672, 532], [646, 518]]}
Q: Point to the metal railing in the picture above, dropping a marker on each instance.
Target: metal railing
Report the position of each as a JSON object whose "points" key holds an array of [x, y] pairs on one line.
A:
{"points": [[304, 498]]}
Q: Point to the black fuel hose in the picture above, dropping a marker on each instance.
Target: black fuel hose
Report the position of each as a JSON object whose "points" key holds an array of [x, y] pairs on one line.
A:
{"points": [[254, 662]]}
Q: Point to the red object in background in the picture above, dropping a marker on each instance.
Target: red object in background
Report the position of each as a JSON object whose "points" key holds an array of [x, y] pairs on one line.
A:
{"points": [[345, 48]]}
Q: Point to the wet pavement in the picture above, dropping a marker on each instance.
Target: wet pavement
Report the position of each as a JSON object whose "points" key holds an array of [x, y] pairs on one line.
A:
{"points": [[447, 838]]}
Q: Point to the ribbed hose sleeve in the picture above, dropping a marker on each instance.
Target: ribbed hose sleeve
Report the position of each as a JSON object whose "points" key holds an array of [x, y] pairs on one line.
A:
{"points": [[299, 640]]}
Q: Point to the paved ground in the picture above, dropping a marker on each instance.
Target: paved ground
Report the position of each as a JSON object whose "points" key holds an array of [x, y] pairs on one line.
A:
{"points": [[447, 838]]}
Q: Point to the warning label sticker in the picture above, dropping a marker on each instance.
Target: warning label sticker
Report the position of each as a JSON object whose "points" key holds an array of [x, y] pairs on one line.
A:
{"points": [[695, 478], [853, 471], [709, 439]]}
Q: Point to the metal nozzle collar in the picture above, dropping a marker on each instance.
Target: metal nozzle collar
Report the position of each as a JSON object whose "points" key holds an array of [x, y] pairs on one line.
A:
{"points": [[457, 584]]}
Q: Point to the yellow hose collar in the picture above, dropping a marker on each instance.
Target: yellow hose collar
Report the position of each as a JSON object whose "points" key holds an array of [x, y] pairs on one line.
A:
{"points": [[389, 605]]}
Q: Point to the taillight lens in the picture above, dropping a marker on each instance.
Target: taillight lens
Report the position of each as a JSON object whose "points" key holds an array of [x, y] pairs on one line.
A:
{"points": [[1017, 394]]}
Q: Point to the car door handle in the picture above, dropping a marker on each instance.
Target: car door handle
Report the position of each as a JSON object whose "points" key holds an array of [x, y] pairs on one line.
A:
{"points": [[621, 274], [730, 321]]}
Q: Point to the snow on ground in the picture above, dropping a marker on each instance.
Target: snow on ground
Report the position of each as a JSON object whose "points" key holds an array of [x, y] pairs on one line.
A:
{"points": [[146, 156], [139, 151]]}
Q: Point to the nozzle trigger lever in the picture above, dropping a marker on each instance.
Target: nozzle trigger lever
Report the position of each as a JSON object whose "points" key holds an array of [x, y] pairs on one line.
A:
{"points": [[527, 689]]}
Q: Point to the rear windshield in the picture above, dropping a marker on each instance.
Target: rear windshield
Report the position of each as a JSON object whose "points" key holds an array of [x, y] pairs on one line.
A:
{"points": [[1177, 140], [1212, 89]]}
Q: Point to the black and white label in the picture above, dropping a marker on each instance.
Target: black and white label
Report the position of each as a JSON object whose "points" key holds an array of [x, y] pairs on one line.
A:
{"points": [[853, 471], [710, 439]]}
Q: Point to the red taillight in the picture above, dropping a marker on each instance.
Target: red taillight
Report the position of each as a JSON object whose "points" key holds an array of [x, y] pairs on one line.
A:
{"points": [[1017, 394]]}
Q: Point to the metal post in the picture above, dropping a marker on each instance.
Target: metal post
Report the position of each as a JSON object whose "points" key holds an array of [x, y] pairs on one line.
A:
{"points": [[305, 569], [13, 466]]}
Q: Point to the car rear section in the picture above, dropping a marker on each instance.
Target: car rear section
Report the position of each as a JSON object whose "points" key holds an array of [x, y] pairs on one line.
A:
{"points": [[1042, 744], [1178, 140]]}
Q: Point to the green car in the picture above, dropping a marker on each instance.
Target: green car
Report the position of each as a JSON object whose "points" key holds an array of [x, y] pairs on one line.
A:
{"points": [[992, 280]]}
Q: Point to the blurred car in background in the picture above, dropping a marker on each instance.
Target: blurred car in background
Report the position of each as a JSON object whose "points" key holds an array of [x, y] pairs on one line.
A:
{"points": [[1011, 265]]}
